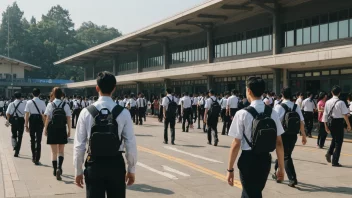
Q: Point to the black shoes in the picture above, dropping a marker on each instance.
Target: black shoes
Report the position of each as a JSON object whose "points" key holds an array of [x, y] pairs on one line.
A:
{"points": [[292, 183], [209, 143], [186, 130], [165, 142], [58, 175], [216, 143], [37, 163], [328, 157], [337, 165], [16, 154], [173, 143]]}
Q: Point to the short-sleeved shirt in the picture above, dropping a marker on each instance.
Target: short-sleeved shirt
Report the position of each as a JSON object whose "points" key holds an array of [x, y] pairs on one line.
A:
{"points": [[350, 107], [2, 103], [132, 102], [339, 110], [223, 103], [232, 102], [194, 101], [299, 102], [210, 101], [281, 111], [242, 124], [186, 101], [140, 102], [20, 110], [166, 101], [321, 105], [201, 101], [30, 107], [308, 105], [50, 108]]}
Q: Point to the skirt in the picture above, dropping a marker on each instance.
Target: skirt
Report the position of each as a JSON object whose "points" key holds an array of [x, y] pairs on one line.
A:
{"points": [[56, 135]]}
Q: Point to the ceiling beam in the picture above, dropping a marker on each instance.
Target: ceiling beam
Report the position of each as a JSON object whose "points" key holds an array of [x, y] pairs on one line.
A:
{"points": [[172, 31], [236, 7], [197, 23], [264, 6], [140, 41], [213, 16]]}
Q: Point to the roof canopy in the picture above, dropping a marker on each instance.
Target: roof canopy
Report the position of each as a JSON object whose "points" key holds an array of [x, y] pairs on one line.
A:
{"points": [[15, 62]]}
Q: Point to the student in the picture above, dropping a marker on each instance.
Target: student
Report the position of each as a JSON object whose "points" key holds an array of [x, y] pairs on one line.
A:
{"points": [[161, 108], [76, 109], [308, 107], [34, 124], [323, 96], [169, 111], [147, 104], [201, 103], [279, 100], [105, 171], [194, 107], [292, 120], [140, 105], [179, 108], [232, 104], [211, 117], [335, 112], [2, 104], [299, 99], [58, 115], [265, 98], [132, 106], [186, 111], [254, 164], [15, 114], [226, 118], [223, 107]]}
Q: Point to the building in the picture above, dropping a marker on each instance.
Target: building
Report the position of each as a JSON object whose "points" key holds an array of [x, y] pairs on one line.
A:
{"points": [[13, 78], [306, 44]]}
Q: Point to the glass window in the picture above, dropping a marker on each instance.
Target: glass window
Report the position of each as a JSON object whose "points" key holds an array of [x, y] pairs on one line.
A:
{"points": [[299, 32], [196, 53], [290, 35], [324, 19], [264, 76], [334, 72], [260, 40], [233, 78], [234, 49], [316, 73], [249, 46], [306, 31], [266, 39], [346, 71], [243, 78], [254, 44], [225, 49], [293, 75], [229, 46], [315, 30], [300, 75], [270, 76], [244, 49], [325, 73], [239, 50], [343, 24], [333, 26]]}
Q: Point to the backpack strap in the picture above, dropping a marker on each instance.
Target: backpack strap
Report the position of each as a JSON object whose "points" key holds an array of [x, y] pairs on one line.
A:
{"points": [[252, 111], [268, 110], [283, 105], [93, 111], [63, 105], [116, 111], [16, 107], [35, 104], [294, 107]]}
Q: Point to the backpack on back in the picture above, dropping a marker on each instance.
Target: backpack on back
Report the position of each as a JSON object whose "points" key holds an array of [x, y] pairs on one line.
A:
{"points": [[104, 140], [59, 118], [214, 109], [264, 131], [291, 121], [171, 108]]}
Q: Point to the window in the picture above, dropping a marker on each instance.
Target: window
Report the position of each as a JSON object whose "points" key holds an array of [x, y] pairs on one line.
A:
{"points": [[306, 31], [334, 72], [325, 73], [14, 76], [343, 24], [323, 28], [316, 73], [315, 30], [300, 75], [270, 76], [346, 71], [293, 75], [266, 39], [333, 26], [260, 40], [308, 74], [350, 22], [299, 33], [290, 35]]}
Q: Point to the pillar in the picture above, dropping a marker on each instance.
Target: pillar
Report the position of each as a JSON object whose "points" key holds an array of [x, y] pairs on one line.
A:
{"points": [[139, 87], [114, 63], [276, 31], [85, 74], [139, 61], [285, 79], [210, 82], [166, 56], [276, 80], [94, 70], [210, 45], [167, 84]]}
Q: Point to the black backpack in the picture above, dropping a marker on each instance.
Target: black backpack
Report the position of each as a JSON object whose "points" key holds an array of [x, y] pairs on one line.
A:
{"points": [[171, 108], [214, 109], [291, 121], [59, 118], [14, 117], [104, 140], [264, 131]]}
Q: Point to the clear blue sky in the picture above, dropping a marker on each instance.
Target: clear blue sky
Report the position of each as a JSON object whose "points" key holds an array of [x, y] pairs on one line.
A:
{"points": [[125, 15]]}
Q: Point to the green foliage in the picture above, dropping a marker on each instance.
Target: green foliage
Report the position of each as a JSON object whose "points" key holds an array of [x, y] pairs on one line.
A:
{"points": [[50, 39]]}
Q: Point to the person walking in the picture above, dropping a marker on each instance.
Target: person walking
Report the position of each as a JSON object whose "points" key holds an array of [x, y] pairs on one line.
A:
{"points": [[132, 106], [15, 117], [255, 161], [226, 118], [76, 109], [105, 173], [232, 104], [57, 129], [161, 108], [34, 124], [211, 117], [186, 112], [308, 107], [140, 105], [194, 107], [169, 112], [335, 112], [323, 96]]}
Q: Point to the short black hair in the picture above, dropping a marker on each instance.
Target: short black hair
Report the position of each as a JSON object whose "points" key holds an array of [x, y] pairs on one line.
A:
{"points": [[18, 95], [286, 92], [256, 85], [169, 90], [36, 92], [186, 93], [212, 92], [106, 82], [336, 90], [309, 94], [226, 93]]}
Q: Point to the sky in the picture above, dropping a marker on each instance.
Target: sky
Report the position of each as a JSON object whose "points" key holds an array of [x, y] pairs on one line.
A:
{"points": [[125, 15]]}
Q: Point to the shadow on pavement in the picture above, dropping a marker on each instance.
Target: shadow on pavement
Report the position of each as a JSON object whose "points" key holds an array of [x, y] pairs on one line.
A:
{"points": [[301, 160], [313, 188], [143, 135], [192, 146], [223, 146], [149, 189]]}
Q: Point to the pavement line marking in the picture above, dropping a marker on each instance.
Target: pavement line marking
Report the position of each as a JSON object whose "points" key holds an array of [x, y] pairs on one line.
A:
{"points": [[193, 155], [191, 165], [323, 151], [175, 171], [344, 140], [165, 174]]}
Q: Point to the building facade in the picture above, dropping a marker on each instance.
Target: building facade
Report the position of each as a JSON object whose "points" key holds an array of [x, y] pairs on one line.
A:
{"points": [[305, 44]]}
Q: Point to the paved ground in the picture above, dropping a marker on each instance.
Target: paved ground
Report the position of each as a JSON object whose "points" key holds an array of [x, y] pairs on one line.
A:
{"points": [[189, 169]]}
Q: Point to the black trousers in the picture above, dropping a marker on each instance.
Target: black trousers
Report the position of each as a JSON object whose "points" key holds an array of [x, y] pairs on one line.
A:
{"points": [[226, 125], [233, 112], [106, 179], [170, 121], [223, 114], [254, 170], [289, 142], [36, 132], [17, 134], [337, 133], [212, 129], [322, 135], [187, 113], [161, 114], [201, 117], [75, 115], [141, 114], [145, 114], [179, 115], [194, 112], [134, 115], [308, 120]]}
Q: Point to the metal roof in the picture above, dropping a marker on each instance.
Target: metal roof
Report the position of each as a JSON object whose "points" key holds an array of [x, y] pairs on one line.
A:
{"points": [[194, 20], [7, 60]]}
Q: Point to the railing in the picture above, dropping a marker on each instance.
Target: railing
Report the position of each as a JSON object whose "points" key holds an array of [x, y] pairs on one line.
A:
{"points": [[29, 81]]}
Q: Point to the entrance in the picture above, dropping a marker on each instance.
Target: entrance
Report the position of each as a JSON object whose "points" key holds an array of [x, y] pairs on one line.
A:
{"points": [[313, 86]]}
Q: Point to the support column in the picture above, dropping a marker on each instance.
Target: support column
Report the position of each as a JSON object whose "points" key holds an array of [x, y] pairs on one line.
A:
{"points": [[210, 45], [139, 87], [209, 82], [276, 31], [285, 79], [85, 73], [276, 80], [94, 70], [167, 84], [166, 61], [114, 63], [139, 61]]}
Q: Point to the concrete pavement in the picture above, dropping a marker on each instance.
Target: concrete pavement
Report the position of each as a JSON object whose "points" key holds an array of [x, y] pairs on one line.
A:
{"points": [[191, 168]]}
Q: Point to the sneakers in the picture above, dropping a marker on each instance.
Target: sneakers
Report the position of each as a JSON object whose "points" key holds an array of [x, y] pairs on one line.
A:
{"points": [[292, 183], [216, 143], [274, 176], [328, 157]]}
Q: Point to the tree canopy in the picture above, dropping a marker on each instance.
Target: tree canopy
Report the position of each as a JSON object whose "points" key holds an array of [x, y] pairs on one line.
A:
{"points": [[53, 37]]}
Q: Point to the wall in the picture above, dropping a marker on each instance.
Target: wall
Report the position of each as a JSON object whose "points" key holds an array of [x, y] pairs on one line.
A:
{"points": [[6, 69]]}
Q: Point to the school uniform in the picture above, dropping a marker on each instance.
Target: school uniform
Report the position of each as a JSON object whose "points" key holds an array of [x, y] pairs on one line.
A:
{"points": [[212, 122], [254, 168], [288, 140], [131, 103], [76, 109], [17, 127], [201, 105], [232, 102], [187, 112], [161, 115], [337, 128], [2, 104], [119, 102], [147, 103], [299, 102], [105, 176], [141, 105], [179, 114], [168, 120], [36, 109], [308, 107], [194, 108], [225, 118]]}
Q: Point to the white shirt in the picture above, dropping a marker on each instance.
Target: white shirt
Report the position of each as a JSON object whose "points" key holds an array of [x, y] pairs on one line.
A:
{"points": [[232, 102], [131, 102], [20, 110], [308, 105], [141, 102], [166, 101], [30, 107], [223, 103], [77, 104], [186, 101], [339, 110], [281, 111], [350, 107], [2, 104], [242, 123], [209, 102], [50, 108], [194, 101], [299, 102], [177, 100], [266, 100], [201, 101], [121, 103], [125, 130], [277, 102]]}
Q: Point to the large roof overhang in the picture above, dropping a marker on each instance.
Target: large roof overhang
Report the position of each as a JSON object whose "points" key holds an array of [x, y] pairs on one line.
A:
{"points": [[10, 61], [209, 14]]}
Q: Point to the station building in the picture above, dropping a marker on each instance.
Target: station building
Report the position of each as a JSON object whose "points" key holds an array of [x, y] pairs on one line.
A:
{"points": [[304, 44]]}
